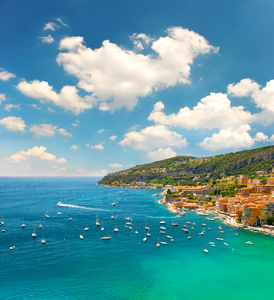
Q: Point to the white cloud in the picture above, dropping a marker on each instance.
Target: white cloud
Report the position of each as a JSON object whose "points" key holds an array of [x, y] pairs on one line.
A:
{"points": [[64, 132], [246, 87], [43, 130], [37, 152], [159, 154], [87, 145], [75, 124], [63, 169], [140, 40], [50, 109], [153, 137], [213, 111], [47, 130], [51, 26], [5, 75], [74, 147], [2, 98], [13, 123], [8, 107], [260, 137], [47, 39], [68, 97], [117, 77], [59, 20], [35, 106], [82, 170], [101, 130], [104, 172], [229, 138], [98, 147], [271, 139], [113, 137], [115, 166]]}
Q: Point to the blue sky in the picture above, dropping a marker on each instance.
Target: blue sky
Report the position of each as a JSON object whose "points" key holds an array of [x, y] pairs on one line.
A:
{"points": [[91, 87]]}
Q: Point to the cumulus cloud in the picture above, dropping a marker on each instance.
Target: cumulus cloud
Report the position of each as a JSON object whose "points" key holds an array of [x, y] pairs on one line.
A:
{"points": [[51, 26], [60, 21], [2, 98], [36, 152], [117, 77], [13, 123], [68, 97], [113, 137], [246, 87], [115, 166], [213, 111], [74, 147], [47, 39], [152, 137], [260, 137], [101, 130], [98, 147], [159, 154], [47, 130], [5, 75], [140, 40], [230, 138], [8, 107]]}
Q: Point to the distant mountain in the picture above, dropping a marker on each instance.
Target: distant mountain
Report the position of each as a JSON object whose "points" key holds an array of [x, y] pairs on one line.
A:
{"points": [[188, 170]]}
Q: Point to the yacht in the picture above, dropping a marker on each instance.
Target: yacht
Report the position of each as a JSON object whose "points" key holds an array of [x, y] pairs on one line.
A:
{"points": [[86, 228], [162, 222], [182, 213], [249, 243], [205, 250], [33, 234], [106, 237], [169, 237], [158, 244], [59, 213], [163, 228], [23, 224], [174, 224], [189, 237], [43, 240], [114, 204], [97, 221], [102, 228]]}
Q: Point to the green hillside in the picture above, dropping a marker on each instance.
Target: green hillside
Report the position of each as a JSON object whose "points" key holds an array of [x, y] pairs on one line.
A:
{"points": [[188, 170]]}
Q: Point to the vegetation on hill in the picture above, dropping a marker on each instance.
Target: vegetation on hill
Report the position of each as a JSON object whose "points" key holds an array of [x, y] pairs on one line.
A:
{"points": [[188, 170]]}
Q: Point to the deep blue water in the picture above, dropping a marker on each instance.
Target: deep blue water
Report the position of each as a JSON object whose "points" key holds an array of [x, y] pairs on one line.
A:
{"points": [[124, 267]]}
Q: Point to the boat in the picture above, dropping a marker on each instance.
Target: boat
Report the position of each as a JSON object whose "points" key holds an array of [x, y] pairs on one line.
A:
{"points": [[81, 236], [174, 224], [112, 217], [185, 230], [203, 224], [201, 233], [182, 213], [43, 240], [192, 228], [23, 224], [69, 219], [213, 245], [249, 243], [128, 219], [59, 213], [147, 228], [172, 240], [129, 223], [220, 228], [163, 242], [188, 222], [219, 239], [163, 228], [163, 222], [3, 230], [40, 225], [106, 237], [205, 250], [169, 237], [102, 228], [2, 222], [226, 244], [148, 234], [189, 237], [145, 238], [114, 204], [116, 229], [163, 232], [86, 228], [33, 234], [158, 244], [97, 221], [184, 226]]}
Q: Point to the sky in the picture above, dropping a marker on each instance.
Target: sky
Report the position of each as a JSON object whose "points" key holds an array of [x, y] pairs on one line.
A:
{"points": [[92, 87]]}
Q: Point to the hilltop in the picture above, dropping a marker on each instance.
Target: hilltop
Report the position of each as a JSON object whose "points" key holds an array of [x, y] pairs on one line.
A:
{"points": [[189, 170]]}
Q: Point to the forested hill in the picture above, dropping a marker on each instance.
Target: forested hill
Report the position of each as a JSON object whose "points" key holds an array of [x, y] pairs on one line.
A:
{"points": [[183, 170]]}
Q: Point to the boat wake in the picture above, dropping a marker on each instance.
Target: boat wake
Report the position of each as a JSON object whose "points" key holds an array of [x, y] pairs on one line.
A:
{"points": [[81, 207]]}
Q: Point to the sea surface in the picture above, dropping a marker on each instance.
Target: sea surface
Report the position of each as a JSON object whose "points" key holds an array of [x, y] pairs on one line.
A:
{"points": [[124, 267]]}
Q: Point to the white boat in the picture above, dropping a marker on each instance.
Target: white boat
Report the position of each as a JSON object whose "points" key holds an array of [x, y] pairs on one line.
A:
{"points": [[116, 229], [102, 228], [43, 240], [163, 228], [192, 228], [33, 234], [97, 221], [70, 219], [164, 243], [144, 239], [188, 222], [158, 244], [86, 228], [185, 230], [203, 224], [106, 237], [182, 213], [174, 224], [128, 219], [219, 239], [172, 240], [112, 217], [169, 237], [205, 250], [213, 245], [162, 222], [3, 230], [40, 225], [226, 244], [249, 243], [59, 213], [81, 237], [114, 204], [136, 232], [189, 237], [23, 224], [148, 234], [163, 232]]}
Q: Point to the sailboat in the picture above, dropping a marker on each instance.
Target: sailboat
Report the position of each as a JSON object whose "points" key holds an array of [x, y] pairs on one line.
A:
{"points": [[40, 225], [87, 228], [147, 228], [23, 224], [163, 242], [136, 231], [174, 223], [158, 244], [102, 228], [106, 237], [43, 240], [81, 236], [2, 222], [145, 238], [33, 234], [116, 228], [97, 221]]}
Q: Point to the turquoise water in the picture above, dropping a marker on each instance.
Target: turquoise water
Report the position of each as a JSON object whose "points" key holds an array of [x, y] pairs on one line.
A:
{"points": [[124, 267]]}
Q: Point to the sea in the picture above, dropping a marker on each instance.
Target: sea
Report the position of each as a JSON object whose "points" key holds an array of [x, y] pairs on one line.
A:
{"points": [[124, 267]]}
